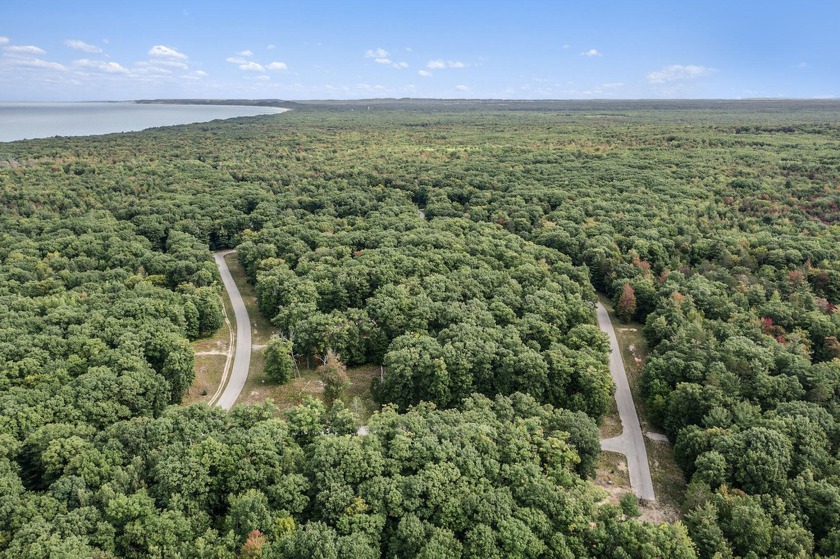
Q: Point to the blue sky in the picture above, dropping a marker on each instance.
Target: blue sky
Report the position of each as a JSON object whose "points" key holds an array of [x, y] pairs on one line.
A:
{"points": [[66, 51]]}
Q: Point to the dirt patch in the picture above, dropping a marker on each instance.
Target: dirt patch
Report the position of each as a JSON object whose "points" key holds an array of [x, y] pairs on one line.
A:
{"points": [[313, 387], [657, 512], [218, 343]]}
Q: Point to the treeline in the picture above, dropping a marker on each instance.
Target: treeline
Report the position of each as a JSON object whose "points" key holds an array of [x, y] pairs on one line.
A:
{"points": [[715, 225]]}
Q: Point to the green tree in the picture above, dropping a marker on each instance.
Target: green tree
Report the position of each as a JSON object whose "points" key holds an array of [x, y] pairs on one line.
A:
{"points": [[630, 505], [333, 374], [279, 361], [416, 371], [209, 307], [248, 512]]}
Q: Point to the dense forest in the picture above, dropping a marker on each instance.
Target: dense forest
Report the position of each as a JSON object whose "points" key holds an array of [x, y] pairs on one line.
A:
{"points": [[460, 245]]}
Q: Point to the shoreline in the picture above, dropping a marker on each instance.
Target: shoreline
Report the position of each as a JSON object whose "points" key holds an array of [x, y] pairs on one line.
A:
{"points": [[34, 121]]}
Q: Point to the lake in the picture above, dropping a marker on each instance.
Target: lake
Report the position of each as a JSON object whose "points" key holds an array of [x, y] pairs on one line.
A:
{"points": [[19, 121]]}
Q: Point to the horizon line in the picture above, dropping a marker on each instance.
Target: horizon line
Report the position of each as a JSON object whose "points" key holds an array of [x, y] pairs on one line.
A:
{"points": [[448, 99]]}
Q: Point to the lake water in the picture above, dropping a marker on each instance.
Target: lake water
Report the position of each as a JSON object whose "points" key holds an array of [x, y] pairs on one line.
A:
{"points": [[20, 121]]}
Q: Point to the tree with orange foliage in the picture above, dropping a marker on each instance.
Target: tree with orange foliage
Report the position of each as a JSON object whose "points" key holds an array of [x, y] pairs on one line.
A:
{"points": [[626, 306], [253, 546]]}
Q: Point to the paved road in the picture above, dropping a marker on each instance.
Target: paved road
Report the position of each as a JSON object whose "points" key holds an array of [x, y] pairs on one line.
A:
{"points": [[631, 442], [242, 357]]}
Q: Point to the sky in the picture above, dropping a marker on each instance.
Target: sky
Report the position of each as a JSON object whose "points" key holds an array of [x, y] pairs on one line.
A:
{"points": [[561, 49]]}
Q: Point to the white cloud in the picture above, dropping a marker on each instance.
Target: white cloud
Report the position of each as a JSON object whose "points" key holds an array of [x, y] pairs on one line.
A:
{"points": [[21, 49], [441, 64], [194, 76], [462, 88], [270, 47], [591, 52], [378, 53], [567, 46], [678, 72], [108, 67], [35, 63], [170, 64], [161, 51], [245, 53], [381, 56], [82, 46], [150, 68], [424, 73], [4, 40], [252, 67], [263, 77]]}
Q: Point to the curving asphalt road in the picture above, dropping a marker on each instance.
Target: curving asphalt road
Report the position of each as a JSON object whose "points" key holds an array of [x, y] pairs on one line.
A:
{"points": [[242, 357], [631, 442]]}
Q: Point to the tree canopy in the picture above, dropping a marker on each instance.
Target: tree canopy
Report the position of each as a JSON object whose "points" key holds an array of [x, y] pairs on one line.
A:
{"points": [[460, 247]]}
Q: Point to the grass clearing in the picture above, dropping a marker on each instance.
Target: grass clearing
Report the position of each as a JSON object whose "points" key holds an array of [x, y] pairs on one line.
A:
{"points": [[611, 471], [210, 357], [259, 388], [611, 423], [668, 480], [208, 374]]}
